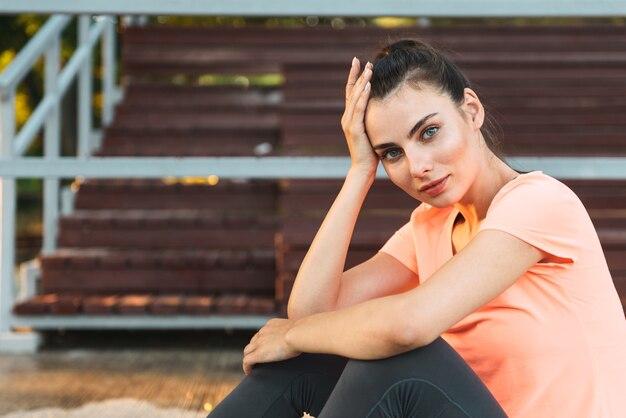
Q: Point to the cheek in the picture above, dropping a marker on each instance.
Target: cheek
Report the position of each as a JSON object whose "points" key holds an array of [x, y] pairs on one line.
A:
{"points": [[400, 175], [453, 149]]}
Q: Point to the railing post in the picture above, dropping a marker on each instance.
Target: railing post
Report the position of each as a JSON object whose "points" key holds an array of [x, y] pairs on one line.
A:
{"points": [[84, 92], [7, 211], [108, 62], [52, 146]]}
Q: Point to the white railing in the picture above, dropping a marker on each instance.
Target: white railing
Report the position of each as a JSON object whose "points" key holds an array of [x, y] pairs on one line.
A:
{"points": [[46, 116], [426, 8]]}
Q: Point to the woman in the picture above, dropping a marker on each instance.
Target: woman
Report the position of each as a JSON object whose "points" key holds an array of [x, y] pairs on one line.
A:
{"points": [[494, 299]]}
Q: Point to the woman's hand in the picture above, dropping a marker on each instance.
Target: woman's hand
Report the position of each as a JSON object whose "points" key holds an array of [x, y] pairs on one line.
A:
{"points": [[269, 345], [353, 121]]}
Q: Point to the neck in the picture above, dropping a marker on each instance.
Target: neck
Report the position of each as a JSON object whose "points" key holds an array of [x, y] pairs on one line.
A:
{"points": [[473, 207]]}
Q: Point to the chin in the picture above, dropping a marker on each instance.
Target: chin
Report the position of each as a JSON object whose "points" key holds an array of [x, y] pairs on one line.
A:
{"points": [[442, 200], [440, 204]]}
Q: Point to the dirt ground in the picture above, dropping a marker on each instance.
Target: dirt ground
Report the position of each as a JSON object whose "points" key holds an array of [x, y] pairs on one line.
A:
{"points": [[122, 374]]}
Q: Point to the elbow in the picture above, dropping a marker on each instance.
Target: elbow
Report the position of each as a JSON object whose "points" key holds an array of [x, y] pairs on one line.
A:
{"points": [[409, 336], [293, 312], [299, 310], [296, 312]]}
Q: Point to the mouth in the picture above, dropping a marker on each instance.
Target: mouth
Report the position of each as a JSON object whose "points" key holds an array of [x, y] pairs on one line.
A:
{"points": [[435, 187]]}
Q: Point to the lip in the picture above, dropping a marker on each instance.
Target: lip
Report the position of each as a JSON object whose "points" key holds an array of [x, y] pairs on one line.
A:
{"points": [[435, 187]]}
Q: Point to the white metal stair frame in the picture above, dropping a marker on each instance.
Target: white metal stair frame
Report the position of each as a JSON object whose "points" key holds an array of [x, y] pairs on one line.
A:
{"points": [[327, 8], [46, 115]]}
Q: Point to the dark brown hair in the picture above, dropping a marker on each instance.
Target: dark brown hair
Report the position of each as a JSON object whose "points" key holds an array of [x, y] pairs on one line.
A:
{"points": [[420, 64]]}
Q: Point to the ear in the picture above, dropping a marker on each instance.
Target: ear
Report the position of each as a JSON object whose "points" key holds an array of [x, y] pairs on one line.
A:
{"points": [[474, 108]]}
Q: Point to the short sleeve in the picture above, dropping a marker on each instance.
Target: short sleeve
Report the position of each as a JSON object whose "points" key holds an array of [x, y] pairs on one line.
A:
{"points": [[542, 212], [401, 246]]}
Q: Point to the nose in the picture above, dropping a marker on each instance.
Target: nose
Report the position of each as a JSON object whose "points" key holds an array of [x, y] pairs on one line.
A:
{"points": [[420, 162]]}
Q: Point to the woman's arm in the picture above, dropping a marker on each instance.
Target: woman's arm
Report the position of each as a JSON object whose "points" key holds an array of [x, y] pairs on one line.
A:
{"points": [[391, 325], [317, 284], [383, 327]]}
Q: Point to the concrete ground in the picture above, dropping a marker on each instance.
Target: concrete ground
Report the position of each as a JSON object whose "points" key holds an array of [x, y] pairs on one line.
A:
{"points": [[122, 374]]}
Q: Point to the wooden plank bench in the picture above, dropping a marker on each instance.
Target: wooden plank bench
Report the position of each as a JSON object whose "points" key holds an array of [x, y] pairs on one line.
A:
{"points": [[164, 195], [198, 50], [138, 247], [141, 304], [556, 120], [199, 242], [163, 120], [550, 99], [303, 205]]}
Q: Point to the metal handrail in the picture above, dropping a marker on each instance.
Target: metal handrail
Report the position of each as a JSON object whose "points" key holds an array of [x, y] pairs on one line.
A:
{"points": [[35, 48], [28, 133], [270, 167], [46, 115], [330, 8]]}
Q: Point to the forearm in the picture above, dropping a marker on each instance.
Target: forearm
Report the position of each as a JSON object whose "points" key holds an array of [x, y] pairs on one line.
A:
{"points": [[375, 329], [319, 278]]}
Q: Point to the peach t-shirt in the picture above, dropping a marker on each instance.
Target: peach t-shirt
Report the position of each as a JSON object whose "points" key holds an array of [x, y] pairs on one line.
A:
{"points": [[554, 343]]}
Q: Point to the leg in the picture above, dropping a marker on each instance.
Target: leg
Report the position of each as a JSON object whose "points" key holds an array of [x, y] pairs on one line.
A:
{"points": [[284, 389], [429, 382]]}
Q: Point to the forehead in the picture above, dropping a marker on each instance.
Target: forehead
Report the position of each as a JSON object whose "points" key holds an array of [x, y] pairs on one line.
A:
{"points": [[408, 96], [399, 111]]}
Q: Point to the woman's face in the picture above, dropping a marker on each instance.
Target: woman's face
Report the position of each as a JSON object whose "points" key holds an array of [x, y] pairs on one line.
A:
{"points": [[429, 147]]}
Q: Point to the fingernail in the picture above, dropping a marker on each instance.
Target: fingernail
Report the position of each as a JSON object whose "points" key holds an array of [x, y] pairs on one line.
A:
{"points": [[367, 86], [353, 61], [369, 65]]}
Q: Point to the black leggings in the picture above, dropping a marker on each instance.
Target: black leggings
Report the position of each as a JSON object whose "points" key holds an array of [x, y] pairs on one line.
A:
{"points": [[431, 381]]}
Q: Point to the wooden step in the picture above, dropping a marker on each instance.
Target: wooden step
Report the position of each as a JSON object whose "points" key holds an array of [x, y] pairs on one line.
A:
{"points": [[316, 197], [166, 230], [214, 142], [97, 271], [158, 194], [160, 95], [194, 121], [145, 303]]}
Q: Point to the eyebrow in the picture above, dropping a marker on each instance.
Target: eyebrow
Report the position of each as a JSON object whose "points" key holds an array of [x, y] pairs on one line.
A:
{"points": [[419, 124], [414, 129]]}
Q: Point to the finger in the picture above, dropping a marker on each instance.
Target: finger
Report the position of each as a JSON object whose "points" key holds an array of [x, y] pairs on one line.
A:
{"points": [[360, 83], [356, 88], [352, 76], [358, 80], [248, 364], [249, 349], [356, 93], [361, 104]]}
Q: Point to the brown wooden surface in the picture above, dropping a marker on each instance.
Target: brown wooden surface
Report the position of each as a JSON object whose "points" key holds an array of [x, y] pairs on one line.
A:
{"points": [[197, 249], [142, 303], [157, 195]]}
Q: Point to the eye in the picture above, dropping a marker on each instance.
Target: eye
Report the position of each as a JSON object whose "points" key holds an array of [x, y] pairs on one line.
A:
{"points": [[430, 132], [391, 154]]}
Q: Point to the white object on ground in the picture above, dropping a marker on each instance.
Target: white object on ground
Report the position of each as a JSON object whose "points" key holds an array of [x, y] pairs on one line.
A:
{"points": [[112, 408]]}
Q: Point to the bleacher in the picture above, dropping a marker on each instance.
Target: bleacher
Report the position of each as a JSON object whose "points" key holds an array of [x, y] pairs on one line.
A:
{"points": [[233, 247]]}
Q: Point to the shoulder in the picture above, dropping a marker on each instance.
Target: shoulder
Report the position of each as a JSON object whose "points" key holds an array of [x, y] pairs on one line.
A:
{"points": [[543, 212], [535, 190]]}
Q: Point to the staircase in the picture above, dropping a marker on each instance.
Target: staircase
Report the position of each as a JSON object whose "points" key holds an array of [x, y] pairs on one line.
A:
{"points": [[173, 247]]}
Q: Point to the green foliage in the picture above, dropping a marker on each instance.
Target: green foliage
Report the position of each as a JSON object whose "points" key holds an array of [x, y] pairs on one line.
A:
{"points": [[15, 32]]}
